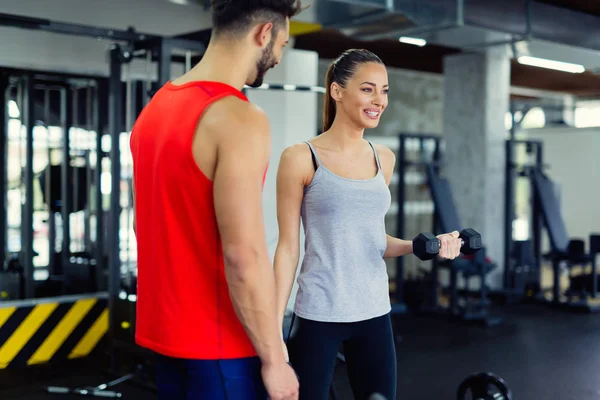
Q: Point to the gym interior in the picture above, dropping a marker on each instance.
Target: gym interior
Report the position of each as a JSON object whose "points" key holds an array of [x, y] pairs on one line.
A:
{"points": [[492, 108]]}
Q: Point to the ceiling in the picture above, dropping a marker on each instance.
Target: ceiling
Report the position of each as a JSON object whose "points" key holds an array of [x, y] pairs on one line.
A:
{"points": [[329, 44], [560, 30], [586, 6]]}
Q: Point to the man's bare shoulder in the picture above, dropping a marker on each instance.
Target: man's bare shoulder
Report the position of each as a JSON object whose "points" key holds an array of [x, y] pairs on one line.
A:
{"points": [[230, 126], [233, 115]]}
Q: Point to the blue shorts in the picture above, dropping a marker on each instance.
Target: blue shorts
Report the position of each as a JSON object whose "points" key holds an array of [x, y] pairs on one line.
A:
{"points": [[185, 379]]}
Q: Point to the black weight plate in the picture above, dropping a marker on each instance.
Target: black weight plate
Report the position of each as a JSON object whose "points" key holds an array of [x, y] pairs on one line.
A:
{"points": [[483, 386]]}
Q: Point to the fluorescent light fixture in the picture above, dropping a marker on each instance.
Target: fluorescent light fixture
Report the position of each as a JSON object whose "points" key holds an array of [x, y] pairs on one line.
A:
{"points": [[263, 86], [413, 41], [13, 109], [551, 64]]}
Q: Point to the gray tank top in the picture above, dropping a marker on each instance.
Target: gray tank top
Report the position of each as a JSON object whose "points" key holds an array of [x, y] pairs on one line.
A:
{"points": [[343, 276]]}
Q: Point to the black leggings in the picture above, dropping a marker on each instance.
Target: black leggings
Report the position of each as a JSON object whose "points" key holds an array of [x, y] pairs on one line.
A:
{"points": [[368, 348]]}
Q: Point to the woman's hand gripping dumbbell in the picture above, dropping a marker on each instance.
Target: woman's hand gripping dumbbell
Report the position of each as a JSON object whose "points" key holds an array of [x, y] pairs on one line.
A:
{"points": [[426, 246]]}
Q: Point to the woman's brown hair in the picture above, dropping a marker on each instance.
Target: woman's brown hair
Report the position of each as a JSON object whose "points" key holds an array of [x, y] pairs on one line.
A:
{"points": [[340, 71]]}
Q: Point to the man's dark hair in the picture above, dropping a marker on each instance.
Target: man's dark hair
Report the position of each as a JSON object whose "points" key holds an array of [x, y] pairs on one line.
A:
{"points": [[238, 16]]}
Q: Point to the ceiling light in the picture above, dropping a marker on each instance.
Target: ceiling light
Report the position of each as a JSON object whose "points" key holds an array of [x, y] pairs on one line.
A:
{"points": [[13, 109], [413, 41], [551, 64]]}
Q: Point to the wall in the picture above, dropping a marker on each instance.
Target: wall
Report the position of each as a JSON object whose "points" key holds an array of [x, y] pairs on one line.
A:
{"points": [[573, 159], [415, 102], [292, 116], [23, 48]]}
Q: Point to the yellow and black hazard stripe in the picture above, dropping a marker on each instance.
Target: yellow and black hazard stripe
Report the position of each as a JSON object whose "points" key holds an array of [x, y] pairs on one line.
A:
{"points": [[40, 331], [298, 28]]}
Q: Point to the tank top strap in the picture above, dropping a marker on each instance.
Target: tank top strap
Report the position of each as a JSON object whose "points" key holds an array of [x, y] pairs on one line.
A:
{"points": [[376, 156], [316, 159]]}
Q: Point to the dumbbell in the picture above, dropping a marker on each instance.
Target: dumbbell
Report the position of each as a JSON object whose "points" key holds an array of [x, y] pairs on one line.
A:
{"points": [[426, 246]]}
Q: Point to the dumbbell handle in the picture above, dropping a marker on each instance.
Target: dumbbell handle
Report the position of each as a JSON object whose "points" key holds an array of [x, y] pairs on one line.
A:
{"points": [[92, 392], [462, 243]]}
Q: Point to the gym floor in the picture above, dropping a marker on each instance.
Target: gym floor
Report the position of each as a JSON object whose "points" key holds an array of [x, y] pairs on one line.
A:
{"points": [[542, 353]]}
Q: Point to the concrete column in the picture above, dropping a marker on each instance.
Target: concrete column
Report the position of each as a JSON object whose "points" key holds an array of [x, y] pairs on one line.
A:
{"points": [[293, 118], [476, 100]]}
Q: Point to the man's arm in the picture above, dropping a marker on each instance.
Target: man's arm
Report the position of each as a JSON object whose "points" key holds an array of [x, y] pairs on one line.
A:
{"points": [[243, 150]]}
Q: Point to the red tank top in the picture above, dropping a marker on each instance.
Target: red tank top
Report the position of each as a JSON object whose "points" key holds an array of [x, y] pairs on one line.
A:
{"points": [[183, 304]]}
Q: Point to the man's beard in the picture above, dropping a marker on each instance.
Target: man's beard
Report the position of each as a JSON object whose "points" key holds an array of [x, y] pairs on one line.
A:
{"points": [[265, 63]]}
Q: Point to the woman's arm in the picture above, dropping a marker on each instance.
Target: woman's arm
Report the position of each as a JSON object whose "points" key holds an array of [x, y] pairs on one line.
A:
{"points": [[291, 180], [395, 247]]}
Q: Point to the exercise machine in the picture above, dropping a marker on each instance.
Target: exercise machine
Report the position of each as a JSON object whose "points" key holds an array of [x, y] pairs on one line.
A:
{"points": [[428, 150], [522, 279], [522, 254], [52, 227], [445, 219], [565, 251], [475, 265]]}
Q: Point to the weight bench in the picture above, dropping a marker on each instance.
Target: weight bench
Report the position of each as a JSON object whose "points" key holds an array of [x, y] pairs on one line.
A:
{"points": [[477, 265], [564, 250]]}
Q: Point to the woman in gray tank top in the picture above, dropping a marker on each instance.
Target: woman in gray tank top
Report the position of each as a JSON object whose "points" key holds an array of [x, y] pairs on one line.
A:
{"points": [[337, 185]]}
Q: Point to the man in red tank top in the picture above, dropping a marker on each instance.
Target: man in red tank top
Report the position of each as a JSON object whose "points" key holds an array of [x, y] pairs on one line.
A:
{"points": [[206, 289]]}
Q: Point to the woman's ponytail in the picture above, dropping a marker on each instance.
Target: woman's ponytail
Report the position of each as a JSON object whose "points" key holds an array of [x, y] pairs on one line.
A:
{"points": [[329, 109]]}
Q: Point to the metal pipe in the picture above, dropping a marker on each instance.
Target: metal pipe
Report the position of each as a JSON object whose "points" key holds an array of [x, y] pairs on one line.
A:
{"points": [[164, 62], [115, 125], [400, 218], [24, 22], [508, 212], [27, 238], [128, 95], [537, 209], [75, 189], [66, 115], [188, 60], [99, 98], [89, 100], [434, 228], [148, 81], [48, 189], [4, 83]]}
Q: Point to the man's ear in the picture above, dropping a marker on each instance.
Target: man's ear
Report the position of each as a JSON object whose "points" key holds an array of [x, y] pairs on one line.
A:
{"points": [[263, 34]]}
